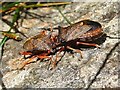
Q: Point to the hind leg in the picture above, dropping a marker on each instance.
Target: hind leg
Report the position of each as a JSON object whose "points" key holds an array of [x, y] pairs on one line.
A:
{"points": [[32, 59], [88, 44]]}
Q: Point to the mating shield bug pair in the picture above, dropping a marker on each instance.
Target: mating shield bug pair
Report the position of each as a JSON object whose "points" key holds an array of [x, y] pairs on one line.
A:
{"points": [[45, 45]]}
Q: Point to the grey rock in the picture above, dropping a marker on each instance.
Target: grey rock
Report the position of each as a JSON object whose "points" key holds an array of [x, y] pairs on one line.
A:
{"points": [[72, 71]]}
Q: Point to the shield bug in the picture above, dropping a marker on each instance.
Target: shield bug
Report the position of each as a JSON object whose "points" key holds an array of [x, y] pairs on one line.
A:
{"points": [[84, 32], [39, 46]]}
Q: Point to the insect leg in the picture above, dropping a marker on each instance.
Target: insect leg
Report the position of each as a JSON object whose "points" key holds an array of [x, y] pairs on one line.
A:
{"points": [[24, 63], [88, 44], [54, 63], [25, 53], [42, 56], [76, 50], [32, 59]]}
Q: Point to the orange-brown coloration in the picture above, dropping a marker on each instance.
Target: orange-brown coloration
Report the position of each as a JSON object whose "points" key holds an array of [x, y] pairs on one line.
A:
{"points": [[92, 35]]}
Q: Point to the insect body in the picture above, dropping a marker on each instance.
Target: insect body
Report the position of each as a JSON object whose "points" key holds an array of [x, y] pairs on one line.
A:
{"points": [[39, 46], [43, 45], [80, 33], [85, 30]]}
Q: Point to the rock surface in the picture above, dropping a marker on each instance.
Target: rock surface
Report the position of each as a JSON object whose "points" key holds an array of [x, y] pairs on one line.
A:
{"points": [[72, 71]]}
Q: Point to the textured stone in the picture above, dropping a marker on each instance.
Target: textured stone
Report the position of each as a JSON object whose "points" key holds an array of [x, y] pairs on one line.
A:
{"points": [[72, 71]]}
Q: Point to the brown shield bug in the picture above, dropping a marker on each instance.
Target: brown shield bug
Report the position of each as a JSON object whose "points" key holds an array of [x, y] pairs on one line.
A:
{"points": [[84, 32], [39, 46]]}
